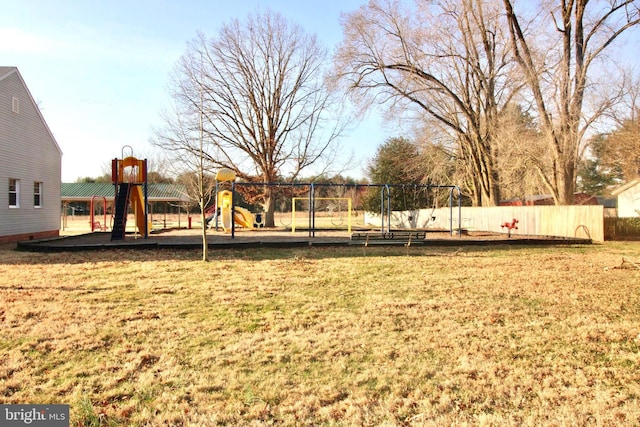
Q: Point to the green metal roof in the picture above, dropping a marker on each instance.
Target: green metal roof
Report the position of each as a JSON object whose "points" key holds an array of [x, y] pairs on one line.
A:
{"points": [[81, 192]]}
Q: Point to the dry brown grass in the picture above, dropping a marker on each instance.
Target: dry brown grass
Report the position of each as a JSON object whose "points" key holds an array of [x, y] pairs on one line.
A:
{"points": [[493, 336]]}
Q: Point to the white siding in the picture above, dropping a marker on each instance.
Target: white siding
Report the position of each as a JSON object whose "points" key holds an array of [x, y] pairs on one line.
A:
{"points": [[28, 153], [629, 202]]}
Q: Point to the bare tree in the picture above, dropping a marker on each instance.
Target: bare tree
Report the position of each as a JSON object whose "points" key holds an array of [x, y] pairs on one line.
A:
{"points": [[186, 147], [521, 147], [556, 49], [620, 149], [447, 60], [516, 140], [438, 159], [266, 111]]}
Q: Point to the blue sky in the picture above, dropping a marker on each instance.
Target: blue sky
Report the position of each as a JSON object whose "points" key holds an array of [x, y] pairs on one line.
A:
{"points": [[99, 70]]}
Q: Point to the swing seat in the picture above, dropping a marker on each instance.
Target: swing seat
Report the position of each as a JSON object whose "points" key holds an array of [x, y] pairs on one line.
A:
{"points": [[404, 237]]}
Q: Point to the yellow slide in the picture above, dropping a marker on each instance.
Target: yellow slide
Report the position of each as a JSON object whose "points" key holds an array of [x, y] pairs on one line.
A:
{"points": [[137, 201], [241, 217]]}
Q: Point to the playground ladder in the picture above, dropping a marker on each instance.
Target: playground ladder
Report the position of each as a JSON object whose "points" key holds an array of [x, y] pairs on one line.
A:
{"points": [[120, 220]]}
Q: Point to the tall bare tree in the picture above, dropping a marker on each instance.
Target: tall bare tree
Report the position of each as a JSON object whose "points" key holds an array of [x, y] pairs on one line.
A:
{"points": [[266, 110], [558, 50], [448, 60]]}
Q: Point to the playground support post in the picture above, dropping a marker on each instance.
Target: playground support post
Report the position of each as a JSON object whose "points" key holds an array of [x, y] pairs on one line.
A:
{"points": [[146, 202], [455, 187], [382, 209], [312, 211], [233, 209], [386, 190], [217, 205], [451, 211], [311, 217], [388, 208]]}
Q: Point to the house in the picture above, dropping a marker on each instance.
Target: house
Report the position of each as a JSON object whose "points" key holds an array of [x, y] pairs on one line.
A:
{"points": [[30, 165], [628, 199]]}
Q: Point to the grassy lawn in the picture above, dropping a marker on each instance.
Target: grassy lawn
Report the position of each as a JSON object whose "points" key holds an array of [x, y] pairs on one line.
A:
{"points": [[326, 336]]}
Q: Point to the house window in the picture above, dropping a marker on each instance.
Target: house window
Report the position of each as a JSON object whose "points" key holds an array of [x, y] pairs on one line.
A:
{"points": [[15, 105], [14, 193], [37, 194]]}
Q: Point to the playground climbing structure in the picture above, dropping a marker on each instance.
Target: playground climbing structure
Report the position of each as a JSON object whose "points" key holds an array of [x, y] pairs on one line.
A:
{"points": [[129, 176]]}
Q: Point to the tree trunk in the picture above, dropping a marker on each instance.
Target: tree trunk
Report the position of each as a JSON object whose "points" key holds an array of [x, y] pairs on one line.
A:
{"points": [[205, 245], [482, 171], [566, 182], [269, 208], [491, 196]]}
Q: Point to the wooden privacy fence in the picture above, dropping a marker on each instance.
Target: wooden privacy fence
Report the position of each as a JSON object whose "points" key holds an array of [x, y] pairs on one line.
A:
{"points": [[563, 221], [622, 228]]}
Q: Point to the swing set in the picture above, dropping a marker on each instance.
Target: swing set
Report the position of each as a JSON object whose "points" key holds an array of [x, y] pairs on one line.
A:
{"points": [[386, 206]]}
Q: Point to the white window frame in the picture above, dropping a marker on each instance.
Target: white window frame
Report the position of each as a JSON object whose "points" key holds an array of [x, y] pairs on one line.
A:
{"points": [[15, 105], [14, 189], [37, 192]]}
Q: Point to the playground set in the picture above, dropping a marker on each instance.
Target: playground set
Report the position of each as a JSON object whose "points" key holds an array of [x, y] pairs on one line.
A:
{"points": [[334, 210], [129, 177]]}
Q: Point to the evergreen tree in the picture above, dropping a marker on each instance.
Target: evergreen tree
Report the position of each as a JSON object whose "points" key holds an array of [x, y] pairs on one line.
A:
{"points": [[395, 164]]}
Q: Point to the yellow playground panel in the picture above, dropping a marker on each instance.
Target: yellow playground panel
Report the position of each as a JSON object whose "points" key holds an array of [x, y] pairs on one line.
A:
{"points": [[241, 216]]}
